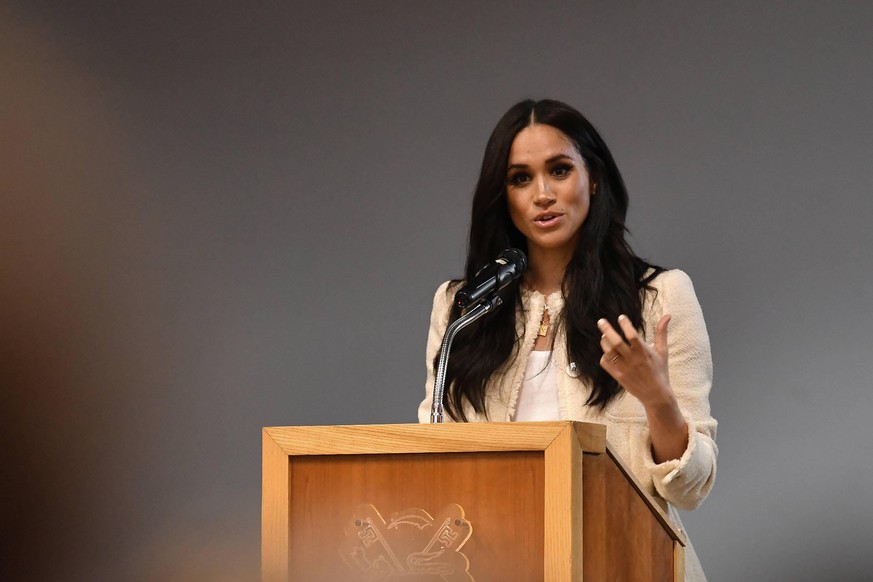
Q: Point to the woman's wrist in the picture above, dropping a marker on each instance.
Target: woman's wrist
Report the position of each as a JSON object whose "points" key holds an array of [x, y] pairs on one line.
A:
{"points": [[660, 399], [664, 411], [667, 429]]}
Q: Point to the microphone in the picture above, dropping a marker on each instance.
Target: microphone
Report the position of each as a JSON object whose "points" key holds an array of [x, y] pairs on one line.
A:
{"points": [[491, 278]]}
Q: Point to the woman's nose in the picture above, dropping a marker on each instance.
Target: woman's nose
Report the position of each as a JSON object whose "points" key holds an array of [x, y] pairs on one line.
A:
{"points": [[544, 194]]}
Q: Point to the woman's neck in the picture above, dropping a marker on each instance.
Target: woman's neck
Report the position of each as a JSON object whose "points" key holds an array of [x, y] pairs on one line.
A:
{"points": [[545, 272]]}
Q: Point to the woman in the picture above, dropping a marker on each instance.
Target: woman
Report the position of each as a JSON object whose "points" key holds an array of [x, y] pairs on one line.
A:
{"points": [[572, 340]]}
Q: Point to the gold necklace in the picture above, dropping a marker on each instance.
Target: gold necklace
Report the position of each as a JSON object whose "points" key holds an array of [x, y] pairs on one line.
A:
{"points": [[543, 331]]}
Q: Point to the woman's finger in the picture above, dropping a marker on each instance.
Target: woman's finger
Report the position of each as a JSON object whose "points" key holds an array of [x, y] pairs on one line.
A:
{"points": [[611, 362], [613, 346], [611, 340], [627, 328]]}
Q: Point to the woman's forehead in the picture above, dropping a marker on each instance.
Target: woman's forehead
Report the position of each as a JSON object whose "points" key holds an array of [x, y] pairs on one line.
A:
{"points": [[539, 142]]}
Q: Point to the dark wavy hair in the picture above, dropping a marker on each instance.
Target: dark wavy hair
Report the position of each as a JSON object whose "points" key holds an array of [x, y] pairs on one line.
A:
{"points": [[603, 279]]}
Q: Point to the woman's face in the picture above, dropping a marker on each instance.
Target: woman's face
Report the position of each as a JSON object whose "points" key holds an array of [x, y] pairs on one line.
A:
{"points": [[548, 190]]}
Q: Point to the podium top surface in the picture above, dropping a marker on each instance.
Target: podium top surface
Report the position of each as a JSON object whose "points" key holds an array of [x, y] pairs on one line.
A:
{"points": [[433, 438]]}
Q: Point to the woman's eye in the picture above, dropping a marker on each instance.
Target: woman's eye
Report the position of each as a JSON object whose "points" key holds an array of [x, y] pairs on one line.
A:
{"points": [[518, 179], [561, 171]]}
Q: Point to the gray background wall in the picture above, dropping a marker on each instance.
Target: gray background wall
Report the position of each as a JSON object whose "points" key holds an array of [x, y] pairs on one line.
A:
{"points": [[217, 216]]}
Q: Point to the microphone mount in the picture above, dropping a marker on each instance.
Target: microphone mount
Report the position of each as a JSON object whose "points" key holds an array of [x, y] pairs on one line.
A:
{"points": [[439, 387]]}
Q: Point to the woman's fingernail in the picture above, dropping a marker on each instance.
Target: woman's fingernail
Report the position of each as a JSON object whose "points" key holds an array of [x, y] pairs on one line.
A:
{"points": [[622, 316], [600, 322]]}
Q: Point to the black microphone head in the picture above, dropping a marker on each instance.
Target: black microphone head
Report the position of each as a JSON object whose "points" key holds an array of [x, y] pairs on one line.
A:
{"points": [[491, 278], [516, 257]]}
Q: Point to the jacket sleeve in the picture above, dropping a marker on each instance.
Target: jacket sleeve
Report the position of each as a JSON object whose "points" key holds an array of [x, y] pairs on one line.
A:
{"points": [[439, 319], [685, 482]]}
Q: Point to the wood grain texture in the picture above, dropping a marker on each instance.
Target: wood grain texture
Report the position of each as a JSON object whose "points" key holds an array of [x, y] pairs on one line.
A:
{"points": [[656, 509], [501, 492], [594, 532], [622, 538], [563, 525], [274, 511], [431, 438], [592, 436], [678, 562], [522, 486]]}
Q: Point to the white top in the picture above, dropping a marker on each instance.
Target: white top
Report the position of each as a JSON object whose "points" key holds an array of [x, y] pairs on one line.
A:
{"points": [[538, 396]]}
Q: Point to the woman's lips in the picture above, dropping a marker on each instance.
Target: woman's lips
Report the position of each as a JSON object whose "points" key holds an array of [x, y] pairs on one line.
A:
{"points": [[548, 220]]}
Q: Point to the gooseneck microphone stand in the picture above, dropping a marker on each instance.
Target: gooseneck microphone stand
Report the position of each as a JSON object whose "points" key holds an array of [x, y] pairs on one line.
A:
{"points": [[439, 385]]}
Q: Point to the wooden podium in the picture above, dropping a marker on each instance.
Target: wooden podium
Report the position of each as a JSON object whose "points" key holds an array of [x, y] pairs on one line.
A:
{"points": [[483, 502]]}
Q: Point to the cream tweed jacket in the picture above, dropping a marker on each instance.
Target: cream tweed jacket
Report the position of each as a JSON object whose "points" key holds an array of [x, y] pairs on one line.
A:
{"points": [[682, 483]]}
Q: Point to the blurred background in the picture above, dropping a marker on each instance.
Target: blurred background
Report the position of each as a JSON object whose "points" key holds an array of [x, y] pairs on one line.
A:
{"points": [[219, 216]]}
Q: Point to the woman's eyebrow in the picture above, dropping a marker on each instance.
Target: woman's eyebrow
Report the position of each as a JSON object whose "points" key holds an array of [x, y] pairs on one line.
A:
{"points": [[552, 159]]}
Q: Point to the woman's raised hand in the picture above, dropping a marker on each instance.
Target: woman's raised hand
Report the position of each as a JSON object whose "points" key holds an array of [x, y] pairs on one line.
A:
{"points": [[642, 370]]}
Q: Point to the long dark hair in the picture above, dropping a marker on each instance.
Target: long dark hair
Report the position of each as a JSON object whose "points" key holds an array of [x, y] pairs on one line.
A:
{"points": [[603, 279]]}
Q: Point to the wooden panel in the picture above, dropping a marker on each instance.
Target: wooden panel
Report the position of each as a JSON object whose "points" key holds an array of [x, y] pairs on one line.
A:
{"points": [[678, 562], [594, 534], [592, 436], [518, 483], [274, 511], [656, 509], [563, 526], [501, 492], [620, 526], [431, 438]]}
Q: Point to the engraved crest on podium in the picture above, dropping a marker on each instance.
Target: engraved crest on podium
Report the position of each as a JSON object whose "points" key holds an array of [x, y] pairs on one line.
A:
{"points": [[410, 545]]}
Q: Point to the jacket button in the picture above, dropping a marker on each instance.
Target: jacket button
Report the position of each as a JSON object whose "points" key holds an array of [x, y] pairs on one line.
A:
{"points": [[573, 370]]}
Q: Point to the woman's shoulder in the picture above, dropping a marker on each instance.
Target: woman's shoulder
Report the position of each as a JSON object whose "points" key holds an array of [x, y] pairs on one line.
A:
{"points": [[444, 296], [446, 291], [668, 280], [672, 291]]}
